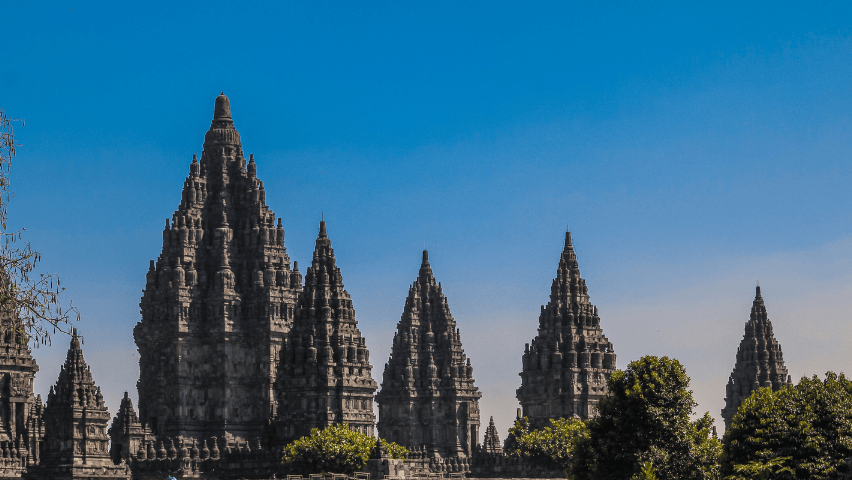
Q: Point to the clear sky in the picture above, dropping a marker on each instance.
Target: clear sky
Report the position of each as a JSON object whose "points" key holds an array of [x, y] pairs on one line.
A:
{"points": [[693, 149]]}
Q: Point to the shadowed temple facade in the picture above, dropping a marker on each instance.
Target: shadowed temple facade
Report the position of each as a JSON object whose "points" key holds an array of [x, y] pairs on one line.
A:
{"points": [[239, 355], [428, 397], [567, 365]]}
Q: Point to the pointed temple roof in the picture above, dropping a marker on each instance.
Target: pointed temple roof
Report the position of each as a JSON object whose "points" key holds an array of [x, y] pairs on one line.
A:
{"points": [[428, 364], [76, 419], [760, 362], [325, 346], [75, 386], [427, 336], [126, 415], [569, 340], [324, 300], [492, 444], [219, 298]]}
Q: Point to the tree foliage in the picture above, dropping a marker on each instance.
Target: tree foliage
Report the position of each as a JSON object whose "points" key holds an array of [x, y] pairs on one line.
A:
{"points": [[335, 449], [799, 432], [644, 430], [29, 303], [552, 446]]}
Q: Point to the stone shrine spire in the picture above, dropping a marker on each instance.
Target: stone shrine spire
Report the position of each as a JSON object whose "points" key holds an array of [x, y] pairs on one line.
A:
{"points": [[759, 361], [324, 369], [217, 302], [75, 440], [428, 397], [566, 367], [492, 445]]}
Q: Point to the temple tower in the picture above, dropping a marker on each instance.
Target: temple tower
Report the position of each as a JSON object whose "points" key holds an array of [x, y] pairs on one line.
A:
{"points": [[21, 423], [324, 370], [127, 433], [759, 361], [492, 445], [566, 367], [75, 418], [428, 397], [217, 302]]}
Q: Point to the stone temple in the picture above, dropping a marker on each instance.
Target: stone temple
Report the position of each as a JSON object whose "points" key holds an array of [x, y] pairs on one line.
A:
{"points": [[428, 398], [218, 301], [325, 373], [238, 357], [566, 367], [759, 361]]}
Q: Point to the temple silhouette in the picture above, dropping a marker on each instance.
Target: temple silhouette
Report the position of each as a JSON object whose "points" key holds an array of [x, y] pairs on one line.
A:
{"points": [[240, 354]]}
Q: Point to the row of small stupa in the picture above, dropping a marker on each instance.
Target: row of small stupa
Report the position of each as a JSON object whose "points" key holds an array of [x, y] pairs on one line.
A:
{"points": [[239, 353]]}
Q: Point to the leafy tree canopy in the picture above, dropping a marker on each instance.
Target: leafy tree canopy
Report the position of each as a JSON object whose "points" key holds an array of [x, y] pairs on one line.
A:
{"points": [[335, 449], [799, 432], [552, 446], [644, 430]]}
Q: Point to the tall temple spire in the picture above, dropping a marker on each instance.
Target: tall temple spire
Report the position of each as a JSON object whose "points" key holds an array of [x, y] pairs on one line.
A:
{"points": [[428, 397], [566, 366], [218, 301], [325, 347], [760, 362]]}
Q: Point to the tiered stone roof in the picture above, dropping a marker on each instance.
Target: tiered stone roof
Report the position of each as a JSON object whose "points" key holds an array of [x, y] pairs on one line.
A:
{"points": [[324, 370], [428, 397], [218, 301], [492, 445], [566, 367], [760, 362], [75, 440]]}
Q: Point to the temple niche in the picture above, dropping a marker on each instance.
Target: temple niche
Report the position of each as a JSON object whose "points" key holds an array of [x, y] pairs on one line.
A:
{"points": [[218, 301], [324, 374], [428, 397], [760, 362], [567, 365]]}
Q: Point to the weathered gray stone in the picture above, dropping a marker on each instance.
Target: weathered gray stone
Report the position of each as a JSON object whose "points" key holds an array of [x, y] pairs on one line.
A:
{"points": [[324, 371], [428, 397], [760, 362], [75, 418], [217, 303], [566, 367]]}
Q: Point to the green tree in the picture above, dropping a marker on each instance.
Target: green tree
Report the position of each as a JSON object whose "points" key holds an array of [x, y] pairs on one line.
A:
{"points": [[29, 303], [335, 449], [643, 428], [552, 446], [799, 432]]}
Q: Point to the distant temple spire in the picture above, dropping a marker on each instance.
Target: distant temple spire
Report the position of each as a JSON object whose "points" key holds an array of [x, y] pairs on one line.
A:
{"points": [[566, 367], [428, 397], [760, 362]]}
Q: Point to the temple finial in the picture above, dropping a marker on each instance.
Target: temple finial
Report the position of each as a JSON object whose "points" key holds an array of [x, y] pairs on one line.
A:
{"points": [[222, 110], [568, 237], [425, 257], [322, 231]]}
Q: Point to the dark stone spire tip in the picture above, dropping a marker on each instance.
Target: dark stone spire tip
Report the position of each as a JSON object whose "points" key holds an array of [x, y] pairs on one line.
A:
{"points": [[222, 110]]}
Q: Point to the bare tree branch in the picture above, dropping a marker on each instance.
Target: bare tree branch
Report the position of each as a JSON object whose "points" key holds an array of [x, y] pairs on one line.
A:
{"points": [[30, 307]]}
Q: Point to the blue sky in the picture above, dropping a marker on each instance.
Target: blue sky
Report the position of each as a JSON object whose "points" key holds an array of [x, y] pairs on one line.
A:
{"points": [[692, 149]]}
